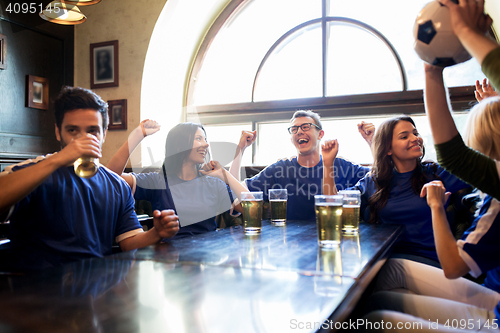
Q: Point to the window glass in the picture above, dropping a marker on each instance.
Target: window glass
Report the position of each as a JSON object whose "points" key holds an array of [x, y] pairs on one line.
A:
{"points": [[398, 29], [235, 54], [223, 140], [274, 140], [359, 63], [294, 70]]}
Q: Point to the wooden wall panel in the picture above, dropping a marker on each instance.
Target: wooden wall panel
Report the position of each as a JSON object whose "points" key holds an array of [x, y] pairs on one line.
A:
{"points": [[39, 48]]}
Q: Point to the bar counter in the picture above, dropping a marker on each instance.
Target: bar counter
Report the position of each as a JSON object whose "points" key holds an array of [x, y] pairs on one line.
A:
{"points": [[221, 281]]}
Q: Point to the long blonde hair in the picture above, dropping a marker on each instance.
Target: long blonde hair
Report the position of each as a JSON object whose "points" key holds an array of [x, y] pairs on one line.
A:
{"points": [[482, 130]]}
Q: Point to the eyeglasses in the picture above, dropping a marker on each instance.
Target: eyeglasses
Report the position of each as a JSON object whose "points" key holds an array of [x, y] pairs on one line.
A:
{"points": [[304, 127]]}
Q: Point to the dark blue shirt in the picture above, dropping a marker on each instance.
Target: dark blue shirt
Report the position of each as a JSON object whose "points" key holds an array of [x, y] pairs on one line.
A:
{"points": [[406, 207], [68, 218], [303, 183]]}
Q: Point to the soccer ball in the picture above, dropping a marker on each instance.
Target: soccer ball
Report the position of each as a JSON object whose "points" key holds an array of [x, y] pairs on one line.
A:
{"points": [[435, 42]]}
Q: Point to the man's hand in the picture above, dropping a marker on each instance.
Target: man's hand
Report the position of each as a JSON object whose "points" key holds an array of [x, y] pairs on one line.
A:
{"points": [[367, 130], [468, 14], [329, 151], [247, 139], [87, 145], [149, 127], [484, 91], [166, 223], [436, 194]]}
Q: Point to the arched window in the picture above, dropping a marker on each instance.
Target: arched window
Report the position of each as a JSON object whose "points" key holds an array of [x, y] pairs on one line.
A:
{"points": [[348, 60], [264, 50]]}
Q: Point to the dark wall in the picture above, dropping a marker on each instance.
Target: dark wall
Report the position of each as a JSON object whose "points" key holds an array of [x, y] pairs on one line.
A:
{"points": [[39, 48]]}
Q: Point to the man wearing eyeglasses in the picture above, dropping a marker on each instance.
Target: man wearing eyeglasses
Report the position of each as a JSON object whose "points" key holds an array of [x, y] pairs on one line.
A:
{"points": [[302, 176]]}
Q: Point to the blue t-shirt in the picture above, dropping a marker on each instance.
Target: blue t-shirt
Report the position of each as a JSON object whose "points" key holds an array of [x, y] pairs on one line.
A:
{"points": [[480, 245], [406, 207], [68, 218], [303, 183], [197, 202]]}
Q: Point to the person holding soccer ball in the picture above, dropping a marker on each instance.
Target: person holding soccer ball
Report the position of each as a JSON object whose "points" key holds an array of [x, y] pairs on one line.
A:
{"points": [[446, 297]]}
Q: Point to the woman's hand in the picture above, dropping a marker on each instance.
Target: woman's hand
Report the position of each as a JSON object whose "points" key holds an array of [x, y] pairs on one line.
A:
{"points": [[149, 127], [436, 194], [484, 91], [367, 130]]}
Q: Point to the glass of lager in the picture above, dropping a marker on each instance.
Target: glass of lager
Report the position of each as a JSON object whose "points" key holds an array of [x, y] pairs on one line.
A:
{"points": [[277, 201], [86, 166], [252, 211], [328, 219], [350, 215]]}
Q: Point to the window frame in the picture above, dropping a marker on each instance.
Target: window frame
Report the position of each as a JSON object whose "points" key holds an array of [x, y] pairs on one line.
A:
{"points": [[399, 102]]}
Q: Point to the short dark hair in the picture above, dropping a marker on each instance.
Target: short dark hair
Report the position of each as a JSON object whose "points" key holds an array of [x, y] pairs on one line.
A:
{"points": [[307, 113], [73, 98]]}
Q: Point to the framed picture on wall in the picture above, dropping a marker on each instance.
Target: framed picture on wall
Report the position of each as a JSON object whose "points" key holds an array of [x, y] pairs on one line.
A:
{"points": [[37, 92], [104, 64], [117, 111]]}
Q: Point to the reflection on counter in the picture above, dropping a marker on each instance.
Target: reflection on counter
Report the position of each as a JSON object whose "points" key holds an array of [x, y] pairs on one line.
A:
{"points": [[351, 254], [328, 280]]}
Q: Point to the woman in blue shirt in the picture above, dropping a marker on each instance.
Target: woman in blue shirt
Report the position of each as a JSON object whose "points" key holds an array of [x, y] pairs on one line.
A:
{"points": [[195, 187], [391, 192]]}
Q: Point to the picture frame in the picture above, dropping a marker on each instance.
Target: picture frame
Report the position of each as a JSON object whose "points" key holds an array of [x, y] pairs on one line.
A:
{"points": [[104, 64], [117, 111], [3, 51], [37, 92]]}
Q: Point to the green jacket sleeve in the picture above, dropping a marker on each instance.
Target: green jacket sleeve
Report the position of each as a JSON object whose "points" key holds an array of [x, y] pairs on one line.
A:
{"points": [[491, 67], [469, 165]]}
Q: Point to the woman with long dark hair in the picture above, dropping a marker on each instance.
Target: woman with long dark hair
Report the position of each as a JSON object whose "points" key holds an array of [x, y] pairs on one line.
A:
{"points": [[197, 188], [391, 191]]}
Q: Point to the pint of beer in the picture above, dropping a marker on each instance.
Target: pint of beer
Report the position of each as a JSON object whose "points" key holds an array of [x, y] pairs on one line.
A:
{"points": [[86, 166], [252, 211], [277, 201], [350, 216], [328, 219]]}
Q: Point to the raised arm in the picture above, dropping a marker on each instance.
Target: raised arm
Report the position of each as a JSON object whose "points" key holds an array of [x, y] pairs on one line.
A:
{"points": [[470, 24], [120, 158], [446, 246], [246, 140], [367, 130], [17, 185], [436, 105], [329, 151]]}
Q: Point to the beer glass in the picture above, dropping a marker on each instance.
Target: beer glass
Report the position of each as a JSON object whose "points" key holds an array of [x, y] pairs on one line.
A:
{"points": [[328, 219], [86, 166], [252, 211], [277, 201], [350, 214]]}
